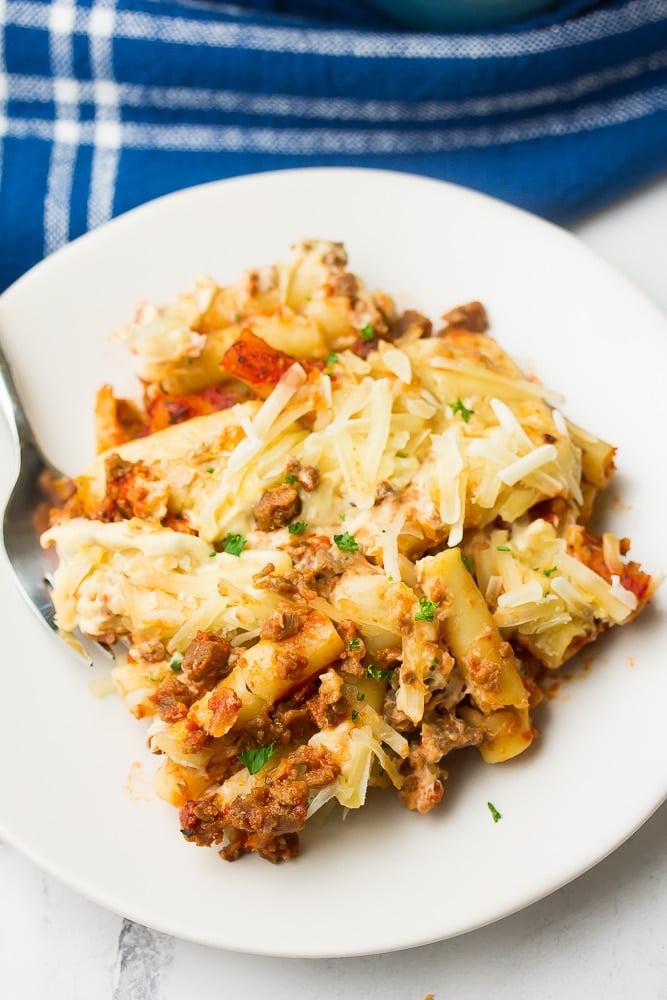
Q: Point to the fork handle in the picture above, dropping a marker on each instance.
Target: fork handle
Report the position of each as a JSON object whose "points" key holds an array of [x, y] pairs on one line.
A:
{"points": [[12, 407]]}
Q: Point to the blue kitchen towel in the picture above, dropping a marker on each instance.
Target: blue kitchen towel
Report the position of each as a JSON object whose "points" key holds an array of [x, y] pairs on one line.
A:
{"points": [[105, 104]]}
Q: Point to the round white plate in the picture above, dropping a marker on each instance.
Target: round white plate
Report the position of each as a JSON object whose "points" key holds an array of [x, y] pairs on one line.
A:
{"points": [[76, 792]]}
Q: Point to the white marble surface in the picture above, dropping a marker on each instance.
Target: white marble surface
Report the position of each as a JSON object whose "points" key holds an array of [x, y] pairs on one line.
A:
{"points": [[602, 936]]}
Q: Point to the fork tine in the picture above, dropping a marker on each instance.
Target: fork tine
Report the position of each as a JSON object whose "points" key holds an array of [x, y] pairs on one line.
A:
{"points": [[76, 641], [46, 613], [26, 516]]}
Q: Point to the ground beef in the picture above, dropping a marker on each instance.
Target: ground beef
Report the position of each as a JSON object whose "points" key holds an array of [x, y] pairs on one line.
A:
{"points": [[277, 507], [345, 284], [225, 706], [275, 808], [206, 660], [132, 490], [423, 787], [355, 648], [291, 582], [335, 259], [308, 476], [271, 847], [202, 822], [424, 774], [329, 706], [282, 624], [315, 568], [363, 346], [288, 665], [410, 321], [471, 317], [150, 650], [318, 565], [173, 698], [194, 738], [204, 664], [289, 723]]}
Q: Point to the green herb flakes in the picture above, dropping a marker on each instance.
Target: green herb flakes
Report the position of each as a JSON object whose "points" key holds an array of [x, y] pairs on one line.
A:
{"points": [[426, 610], [297, 527], [346, 542], [460, 408], [494, 812], [234, 544], [175, 663], [367, 332], [374, 673], [255, 759]]}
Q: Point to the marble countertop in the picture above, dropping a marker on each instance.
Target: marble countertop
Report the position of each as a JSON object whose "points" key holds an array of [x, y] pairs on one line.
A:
{"points": [[603, 935]]}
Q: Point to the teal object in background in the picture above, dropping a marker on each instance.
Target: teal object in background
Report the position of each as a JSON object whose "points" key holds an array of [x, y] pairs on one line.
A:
{"points": [[459, 15]]}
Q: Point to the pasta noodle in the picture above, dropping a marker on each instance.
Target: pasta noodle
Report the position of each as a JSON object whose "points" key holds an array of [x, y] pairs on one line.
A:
{"points": [[336, 545]]}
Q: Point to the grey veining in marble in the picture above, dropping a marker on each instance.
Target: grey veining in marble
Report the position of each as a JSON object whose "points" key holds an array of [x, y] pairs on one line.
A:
{"points": [[144, 956]]}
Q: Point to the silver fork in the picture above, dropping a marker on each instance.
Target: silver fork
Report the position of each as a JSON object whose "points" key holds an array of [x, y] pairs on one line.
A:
{"points": [[29, 503]]}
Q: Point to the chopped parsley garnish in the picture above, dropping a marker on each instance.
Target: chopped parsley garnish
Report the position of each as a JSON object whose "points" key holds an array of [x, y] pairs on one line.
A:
{"points": [[290, 480], [341, 517], [402, 454], [368, 331], [235, 544], [355, 715], [346, 542], [460, 408], [354, 644], [360, 695], [426, 610], [550, 572], [376, 674], [432, 667], [212, 554], [297, 527], [494, 812], [466, 562], [210, 469], [331, 359], [255, 759], [237, 317], [175, 663], [503, 548]]}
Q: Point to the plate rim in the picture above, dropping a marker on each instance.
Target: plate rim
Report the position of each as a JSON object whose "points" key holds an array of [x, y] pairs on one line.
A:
{"points": [[88, 239]]}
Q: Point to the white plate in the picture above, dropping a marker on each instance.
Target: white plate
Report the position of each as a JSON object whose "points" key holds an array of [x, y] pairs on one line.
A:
{"points": [[76, 793]]}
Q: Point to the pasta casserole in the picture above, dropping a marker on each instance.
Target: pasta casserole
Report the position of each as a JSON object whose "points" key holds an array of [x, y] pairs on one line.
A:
{"points": [[336, 544]]}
